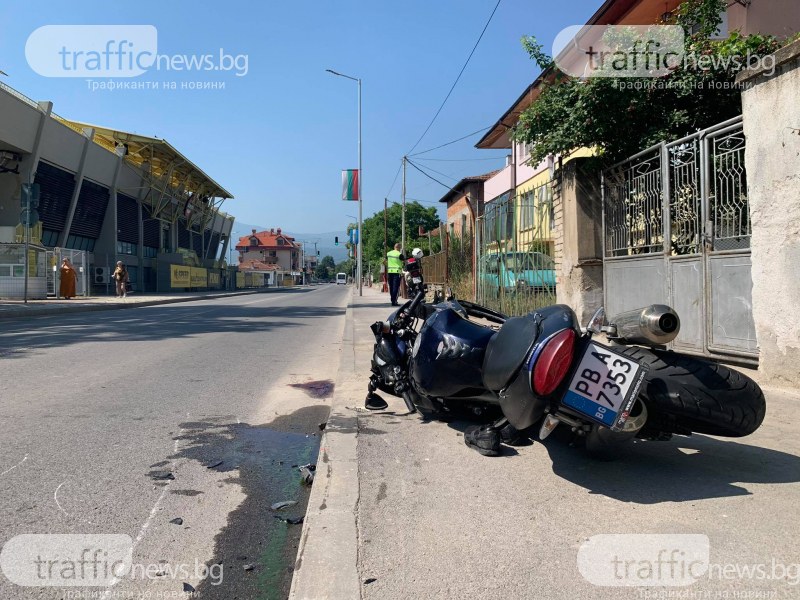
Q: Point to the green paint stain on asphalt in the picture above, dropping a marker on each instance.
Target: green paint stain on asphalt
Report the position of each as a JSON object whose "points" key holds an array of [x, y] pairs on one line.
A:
{"points": [[275, 560], [262, 460]]}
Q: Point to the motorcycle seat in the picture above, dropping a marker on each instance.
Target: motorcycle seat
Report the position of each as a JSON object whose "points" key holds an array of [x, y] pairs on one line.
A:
{"points": [[507, 350]]}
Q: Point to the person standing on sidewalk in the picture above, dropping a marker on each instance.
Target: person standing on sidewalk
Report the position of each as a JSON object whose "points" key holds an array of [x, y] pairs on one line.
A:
{"points": [[121, 278], [69, 278], [394, 266]]}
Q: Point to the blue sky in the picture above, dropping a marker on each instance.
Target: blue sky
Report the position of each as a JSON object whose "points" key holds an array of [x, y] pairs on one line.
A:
{"points": [[278, 137]]}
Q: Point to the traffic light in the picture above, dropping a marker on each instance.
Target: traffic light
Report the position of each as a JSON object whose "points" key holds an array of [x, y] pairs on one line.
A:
{"points": [[317, 252], [336, 241]]}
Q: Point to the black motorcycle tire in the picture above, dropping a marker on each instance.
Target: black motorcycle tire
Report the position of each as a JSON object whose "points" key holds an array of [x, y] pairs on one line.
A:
{"points": [[702, 396]]}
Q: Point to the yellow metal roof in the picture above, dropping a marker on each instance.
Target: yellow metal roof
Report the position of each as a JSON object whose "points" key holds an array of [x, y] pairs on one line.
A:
{"points": [[163, 158]]}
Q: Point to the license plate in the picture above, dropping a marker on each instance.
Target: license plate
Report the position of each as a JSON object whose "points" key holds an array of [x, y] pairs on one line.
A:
{"points": [[604, 386], [416, 280]]}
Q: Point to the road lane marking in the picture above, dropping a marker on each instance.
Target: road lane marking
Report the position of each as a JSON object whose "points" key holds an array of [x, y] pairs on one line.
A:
{"points": [[15, 466], [55, 497], [146, 525]]}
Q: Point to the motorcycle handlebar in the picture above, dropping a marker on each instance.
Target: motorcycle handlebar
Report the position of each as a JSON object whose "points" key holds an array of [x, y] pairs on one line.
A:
{"points": [[415, 302]]}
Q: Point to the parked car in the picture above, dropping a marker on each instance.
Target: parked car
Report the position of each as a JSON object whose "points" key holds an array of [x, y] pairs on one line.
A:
{"points": [[518, 270]]}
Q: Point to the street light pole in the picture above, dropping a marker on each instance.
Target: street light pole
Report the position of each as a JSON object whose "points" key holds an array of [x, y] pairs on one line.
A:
{"points": [[360, 178], [403, 234]]}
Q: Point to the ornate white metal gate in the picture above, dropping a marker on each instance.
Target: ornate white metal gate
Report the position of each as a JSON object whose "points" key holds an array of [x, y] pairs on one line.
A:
{"points": [[676, 227]]}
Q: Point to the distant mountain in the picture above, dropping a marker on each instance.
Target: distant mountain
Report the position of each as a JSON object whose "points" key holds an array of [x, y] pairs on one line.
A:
{"points": [[325, 241]]}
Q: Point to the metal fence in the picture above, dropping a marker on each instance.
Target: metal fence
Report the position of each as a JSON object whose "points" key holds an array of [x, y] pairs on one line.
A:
{"points": [[15, 283], [676, 230], [79, 260], [515, 251]]}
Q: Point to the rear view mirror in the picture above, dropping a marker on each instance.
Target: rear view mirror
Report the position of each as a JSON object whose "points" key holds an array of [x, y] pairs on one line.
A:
{"points": [[595, 324]]}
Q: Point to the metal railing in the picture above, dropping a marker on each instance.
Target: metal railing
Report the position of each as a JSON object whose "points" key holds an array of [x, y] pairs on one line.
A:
{"points": [[515, 243], [19, 95]]}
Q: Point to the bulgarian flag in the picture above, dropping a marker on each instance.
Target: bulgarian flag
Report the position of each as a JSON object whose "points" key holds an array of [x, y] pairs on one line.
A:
{"points": [[350, 184]]}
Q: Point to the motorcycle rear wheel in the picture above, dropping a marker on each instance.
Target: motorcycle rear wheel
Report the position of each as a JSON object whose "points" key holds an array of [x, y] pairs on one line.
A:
{"points": [[702, 396]]}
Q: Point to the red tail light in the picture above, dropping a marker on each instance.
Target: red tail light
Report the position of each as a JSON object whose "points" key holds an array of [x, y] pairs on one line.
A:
{"points": [[553, 362]]}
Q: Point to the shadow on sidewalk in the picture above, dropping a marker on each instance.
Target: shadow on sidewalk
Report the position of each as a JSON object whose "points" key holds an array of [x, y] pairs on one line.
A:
{"points": [[680, 470]]}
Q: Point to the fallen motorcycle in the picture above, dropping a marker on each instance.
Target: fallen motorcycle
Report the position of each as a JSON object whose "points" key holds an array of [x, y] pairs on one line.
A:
{"points": [[448, 357]]}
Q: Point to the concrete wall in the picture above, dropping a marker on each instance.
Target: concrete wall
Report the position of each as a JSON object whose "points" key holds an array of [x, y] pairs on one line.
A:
{"points": [[578, 239], [780, 18], [497, 185], [772, 159]]}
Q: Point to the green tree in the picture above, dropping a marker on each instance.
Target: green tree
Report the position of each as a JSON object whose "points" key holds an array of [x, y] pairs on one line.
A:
{"points": [[325, 268], [416, 216], [346, 266], [619, 119]]}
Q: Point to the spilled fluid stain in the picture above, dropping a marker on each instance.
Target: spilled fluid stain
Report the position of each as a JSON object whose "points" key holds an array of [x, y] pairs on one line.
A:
{"points": [[316, 389], [259, 459]]}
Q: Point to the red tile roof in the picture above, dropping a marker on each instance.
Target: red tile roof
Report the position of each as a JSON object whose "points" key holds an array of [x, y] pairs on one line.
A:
{"points": [[267, 239]]}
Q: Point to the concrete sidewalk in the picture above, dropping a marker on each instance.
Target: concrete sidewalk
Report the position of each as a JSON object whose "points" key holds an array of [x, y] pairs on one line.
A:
{"points": [[402, 509], [18, 309]]}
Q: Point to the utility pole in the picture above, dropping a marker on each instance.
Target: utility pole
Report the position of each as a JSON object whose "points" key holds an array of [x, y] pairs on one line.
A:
{"points": [[403, 230]]}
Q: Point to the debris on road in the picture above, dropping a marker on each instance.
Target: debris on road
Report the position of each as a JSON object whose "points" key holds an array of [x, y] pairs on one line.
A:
{"points": [[177, 521], [290, 520], [307, 473], [284, 504], [188, 588], [214, 465], [370, 580], [322, 426], [315, 389], [161, 475], [248, 567]]}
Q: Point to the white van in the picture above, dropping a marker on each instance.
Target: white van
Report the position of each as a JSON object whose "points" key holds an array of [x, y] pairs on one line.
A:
{"points": [[341, 278]]}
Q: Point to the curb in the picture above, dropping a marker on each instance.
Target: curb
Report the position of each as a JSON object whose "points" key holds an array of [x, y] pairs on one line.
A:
{"points": [[38, 312], [327, 556]]}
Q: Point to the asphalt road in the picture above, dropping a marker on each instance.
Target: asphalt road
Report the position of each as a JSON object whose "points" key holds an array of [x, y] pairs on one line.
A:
{"points": [[100, 411]]}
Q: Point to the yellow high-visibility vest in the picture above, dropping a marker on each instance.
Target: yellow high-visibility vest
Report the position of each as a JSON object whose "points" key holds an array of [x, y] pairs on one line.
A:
{"points": [[394, 264]]}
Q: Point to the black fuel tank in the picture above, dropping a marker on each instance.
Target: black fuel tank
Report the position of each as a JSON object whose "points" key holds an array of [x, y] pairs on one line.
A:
{"points": [[448, 355]]}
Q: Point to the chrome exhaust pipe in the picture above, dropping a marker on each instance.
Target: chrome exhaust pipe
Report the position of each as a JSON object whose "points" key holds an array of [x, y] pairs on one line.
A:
{"points": [[654, 325]]}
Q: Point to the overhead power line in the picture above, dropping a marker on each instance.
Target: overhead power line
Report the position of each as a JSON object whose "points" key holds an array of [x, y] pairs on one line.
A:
{"points": [[432, 170], [501, 157], [480, 37], [444, 185], [449, 143], [399, 167]]}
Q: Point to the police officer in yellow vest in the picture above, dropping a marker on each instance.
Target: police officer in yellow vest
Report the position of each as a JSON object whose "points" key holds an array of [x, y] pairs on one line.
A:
{"points": [[394, 267]]}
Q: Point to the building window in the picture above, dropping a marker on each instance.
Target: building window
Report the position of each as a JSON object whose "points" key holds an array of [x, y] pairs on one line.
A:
{"points": [[79, 242], [49, 238], [526, 210], [127, 248], [149, 251]]}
